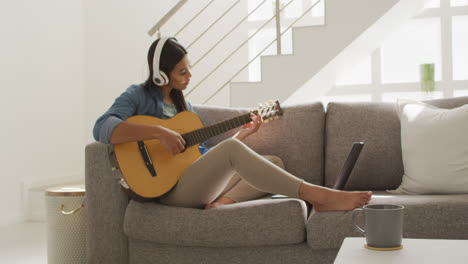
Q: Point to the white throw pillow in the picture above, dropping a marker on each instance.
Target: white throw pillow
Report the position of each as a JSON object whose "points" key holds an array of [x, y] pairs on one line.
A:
{"points": [[434, 145]]}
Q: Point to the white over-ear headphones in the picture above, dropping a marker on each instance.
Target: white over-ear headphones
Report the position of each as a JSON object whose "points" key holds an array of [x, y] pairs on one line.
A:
{"points": [[159, 77]]}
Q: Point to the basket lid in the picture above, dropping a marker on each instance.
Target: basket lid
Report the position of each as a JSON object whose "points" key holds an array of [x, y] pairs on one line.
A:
{"points": [[66, 190]]}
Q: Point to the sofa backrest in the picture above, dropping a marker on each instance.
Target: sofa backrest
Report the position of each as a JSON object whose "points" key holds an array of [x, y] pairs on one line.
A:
{"points": [[380, 165], [297, 137]]}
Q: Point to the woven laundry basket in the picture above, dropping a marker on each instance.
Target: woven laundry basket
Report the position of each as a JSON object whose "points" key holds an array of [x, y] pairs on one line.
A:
{"points": [[66, 225]]}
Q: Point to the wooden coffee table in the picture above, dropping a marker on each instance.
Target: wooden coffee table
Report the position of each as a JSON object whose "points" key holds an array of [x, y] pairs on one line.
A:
{"points": [[414, 251]]}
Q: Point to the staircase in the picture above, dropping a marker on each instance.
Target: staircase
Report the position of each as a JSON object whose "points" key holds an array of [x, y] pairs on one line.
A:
{"points": [[318, 50], [352, 29]]}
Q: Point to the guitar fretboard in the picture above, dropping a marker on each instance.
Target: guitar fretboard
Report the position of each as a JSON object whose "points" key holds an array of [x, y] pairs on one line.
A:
{"points": [[203, 134]]}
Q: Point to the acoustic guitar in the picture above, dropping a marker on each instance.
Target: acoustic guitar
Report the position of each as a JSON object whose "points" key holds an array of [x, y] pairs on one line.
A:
{"points": [[151, 171]]}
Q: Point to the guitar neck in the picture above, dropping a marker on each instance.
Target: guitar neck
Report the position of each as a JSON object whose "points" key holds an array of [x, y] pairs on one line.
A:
{"points": [[203, 134]]}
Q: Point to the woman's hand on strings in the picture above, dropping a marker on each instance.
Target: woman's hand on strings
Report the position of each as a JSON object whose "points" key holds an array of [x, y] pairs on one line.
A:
{"points": [[250, 128]]}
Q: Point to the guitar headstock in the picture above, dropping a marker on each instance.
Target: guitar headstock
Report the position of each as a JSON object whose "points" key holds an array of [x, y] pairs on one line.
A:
{"points": [[270, 110]]}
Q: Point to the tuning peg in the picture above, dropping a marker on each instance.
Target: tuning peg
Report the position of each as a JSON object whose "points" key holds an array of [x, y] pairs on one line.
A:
{"points": [[276, 117], [270, 101], [266, 121]]}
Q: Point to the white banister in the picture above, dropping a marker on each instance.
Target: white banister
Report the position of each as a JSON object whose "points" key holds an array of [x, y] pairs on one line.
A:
{"points": [[227, 34], [232, 53], [278, 9], [278, 27], [219, 18], [166, 17], [193, 18]]}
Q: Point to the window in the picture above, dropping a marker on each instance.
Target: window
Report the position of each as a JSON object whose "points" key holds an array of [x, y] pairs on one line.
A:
{"points": [[355, 72], [392, 97], [348, 98], [422, 40], [432, 4], [460, 47], [460, 93], [459, 2], [416, 43]]}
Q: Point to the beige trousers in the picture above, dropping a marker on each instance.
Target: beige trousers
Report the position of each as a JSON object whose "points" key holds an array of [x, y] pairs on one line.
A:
{"points": [[206, 179], [239, 190]]}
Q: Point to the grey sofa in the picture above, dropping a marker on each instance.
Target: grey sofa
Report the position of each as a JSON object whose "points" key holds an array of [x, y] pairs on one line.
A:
{"points": [[313, 143]]}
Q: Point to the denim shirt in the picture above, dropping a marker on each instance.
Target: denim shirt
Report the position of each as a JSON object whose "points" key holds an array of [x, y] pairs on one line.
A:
{"points": [[136, 100]]}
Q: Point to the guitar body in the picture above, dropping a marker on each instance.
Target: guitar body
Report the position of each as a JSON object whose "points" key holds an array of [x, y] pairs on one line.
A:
{"points": [[151, 171], [168, 168]]}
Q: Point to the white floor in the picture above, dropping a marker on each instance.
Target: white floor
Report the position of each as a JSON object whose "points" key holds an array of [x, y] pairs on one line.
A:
{"points": [[24, 243]]}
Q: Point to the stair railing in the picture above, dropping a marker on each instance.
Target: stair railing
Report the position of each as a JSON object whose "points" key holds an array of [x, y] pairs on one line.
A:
{"points": [[260, 53], [156, 29], [232, 54]]}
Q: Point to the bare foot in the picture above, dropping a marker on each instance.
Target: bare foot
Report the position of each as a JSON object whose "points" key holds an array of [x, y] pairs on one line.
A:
{"points": [[221, 201], [325, 199], [343, 201]]}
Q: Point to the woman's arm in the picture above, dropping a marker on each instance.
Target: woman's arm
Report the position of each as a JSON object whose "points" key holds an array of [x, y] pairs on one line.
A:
{"points": [[129, 132]]}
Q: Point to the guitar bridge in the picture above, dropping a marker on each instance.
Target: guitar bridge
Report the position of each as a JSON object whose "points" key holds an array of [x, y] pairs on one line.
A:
{"points": [[146, 158]]}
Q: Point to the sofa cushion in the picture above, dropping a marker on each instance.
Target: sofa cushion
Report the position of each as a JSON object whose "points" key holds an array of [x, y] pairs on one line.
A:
{"points": [[426, 216], [254, 223], [434, 148], [300, 151], [380, 165]]}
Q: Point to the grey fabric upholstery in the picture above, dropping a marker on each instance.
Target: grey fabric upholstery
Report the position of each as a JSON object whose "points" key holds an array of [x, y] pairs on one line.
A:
{"points": [[262, 222], [380, 165], [270, 231], [143, 252], [105, 205], [426, 216], [449, 103]]}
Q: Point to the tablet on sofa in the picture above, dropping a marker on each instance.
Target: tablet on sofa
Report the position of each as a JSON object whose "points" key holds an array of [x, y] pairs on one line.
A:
{"points": [[345, 171]]}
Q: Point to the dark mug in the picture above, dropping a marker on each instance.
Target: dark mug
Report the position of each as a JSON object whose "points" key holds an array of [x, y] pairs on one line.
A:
{"points": [[383, 225]]}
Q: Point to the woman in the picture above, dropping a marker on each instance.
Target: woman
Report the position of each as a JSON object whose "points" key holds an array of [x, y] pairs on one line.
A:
{"points": [[227, 173]]}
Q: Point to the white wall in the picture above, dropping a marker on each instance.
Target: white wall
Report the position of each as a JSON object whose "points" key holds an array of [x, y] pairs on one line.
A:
{"points": [[62, 65], [42, 102], [115, 47]]}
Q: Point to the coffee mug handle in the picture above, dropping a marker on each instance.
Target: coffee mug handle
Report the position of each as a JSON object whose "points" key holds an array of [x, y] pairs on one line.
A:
{"points": [[354, 220]]}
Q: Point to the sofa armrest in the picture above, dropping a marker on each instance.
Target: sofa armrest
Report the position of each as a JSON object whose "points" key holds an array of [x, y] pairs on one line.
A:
{"points": [[105, 205], [327, 230]]}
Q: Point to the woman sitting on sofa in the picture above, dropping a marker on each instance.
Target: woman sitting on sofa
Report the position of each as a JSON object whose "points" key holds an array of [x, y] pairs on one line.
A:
{"points": [[229, 172]]}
